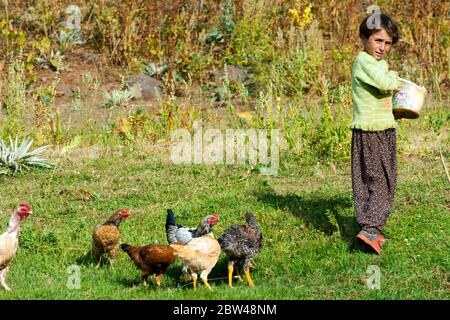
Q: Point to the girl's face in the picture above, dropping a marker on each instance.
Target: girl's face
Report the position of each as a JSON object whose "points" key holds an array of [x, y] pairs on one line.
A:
{"points": [[378, 44]]}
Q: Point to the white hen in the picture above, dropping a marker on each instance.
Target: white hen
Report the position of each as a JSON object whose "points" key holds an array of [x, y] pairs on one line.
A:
{"points": [[9, 241], [199, 255]]}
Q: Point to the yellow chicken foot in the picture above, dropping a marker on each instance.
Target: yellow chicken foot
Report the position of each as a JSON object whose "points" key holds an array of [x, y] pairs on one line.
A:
{"points": [[230, 275], [204, 277], [252, 265], [207, 284], [158, 280], [144, 277], [249, 279], [194, 278]]}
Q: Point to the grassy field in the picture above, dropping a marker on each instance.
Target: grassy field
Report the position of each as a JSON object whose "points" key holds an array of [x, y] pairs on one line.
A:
{"points": [[265, 64], [306, 214]]}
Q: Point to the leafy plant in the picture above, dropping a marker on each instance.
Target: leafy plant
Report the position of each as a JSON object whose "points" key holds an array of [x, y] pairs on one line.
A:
{"points": [[437, 120], [251, 45], [15, 99], [116, 30], [118, 98], [303, 19], [330, 138], [16, 158], [68, 39], [226, 22], [132, 126], [214, 37], [53, 61], [16, 92], [152, 69], [222, 34], [55, 124], [12, 40]]}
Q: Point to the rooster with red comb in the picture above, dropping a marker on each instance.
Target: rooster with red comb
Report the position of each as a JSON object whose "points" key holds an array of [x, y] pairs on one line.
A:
{"points": [[9, 241]]}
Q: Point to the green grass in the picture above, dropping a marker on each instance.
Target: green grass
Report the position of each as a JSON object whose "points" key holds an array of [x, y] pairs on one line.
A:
{"points": [[306, 214]]}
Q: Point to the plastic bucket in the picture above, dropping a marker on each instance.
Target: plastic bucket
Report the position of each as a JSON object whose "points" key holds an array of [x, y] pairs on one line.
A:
{"points": [[408, 101]]}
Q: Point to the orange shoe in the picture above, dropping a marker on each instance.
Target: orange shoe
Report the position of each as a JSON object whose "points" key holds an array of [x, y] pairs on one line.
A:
{"points": [[374, 244]]}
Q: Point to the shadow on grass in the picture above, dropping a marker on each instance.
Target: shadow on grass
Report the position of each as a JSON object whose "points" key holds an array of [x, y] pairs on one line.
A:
{"points": [[217, 276], [320, 212], [89, 260], [173, 278], [134, 279], [130, 281]]}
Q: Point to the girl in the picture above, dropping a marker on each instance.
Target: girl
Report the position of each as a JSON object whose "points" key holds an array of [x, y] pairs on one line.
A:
{"points": [[374, 163]]}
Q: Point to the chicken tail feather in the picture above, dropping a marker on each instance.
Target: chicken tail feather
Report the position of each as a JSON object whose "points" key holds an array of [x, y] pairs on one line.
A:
{"points": [[171, 227]]}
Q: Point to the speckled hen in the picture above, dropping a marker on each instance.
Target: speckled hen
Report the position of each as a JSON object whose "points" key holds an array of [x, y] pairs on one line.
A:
{"points": [[242, 242]]}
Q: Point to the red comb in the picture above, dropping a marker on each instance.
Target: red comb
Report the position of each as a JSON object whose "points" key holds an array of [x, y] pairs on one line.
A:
{"points": [[125, 212], [26, 205], [24, 210]]}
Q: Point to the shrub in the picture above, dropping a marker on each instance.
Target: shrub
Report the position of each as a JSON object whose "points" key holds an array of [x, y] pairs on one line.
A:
{"points": [[16, 158]]}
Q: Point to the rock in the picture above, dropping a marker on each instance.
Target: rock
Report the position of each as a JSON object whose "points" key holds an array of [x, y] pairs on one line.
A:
{"points": [[235, 74], [86, 56], [148, 87], [63, 90]]}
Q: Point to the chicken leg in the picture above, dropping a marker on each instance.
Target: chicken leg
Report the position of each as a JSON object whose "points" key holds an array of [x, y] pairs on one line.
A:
{"points": [[204, 277], [2, 279], [144, 277], [232, 267], [230, 275], [158, 279], [194, 279], [249, 279]]}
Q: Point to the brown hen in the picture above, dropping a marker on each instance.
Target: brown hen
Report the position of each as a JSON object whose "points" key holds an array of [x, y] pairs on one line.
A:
{"points": [[150, 259], [106, 236]]}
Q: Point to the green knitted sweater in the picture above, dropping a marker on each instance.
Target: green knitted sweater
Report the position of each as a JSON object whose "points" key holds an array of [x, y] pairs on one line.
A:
{"points": [[372, 89]]}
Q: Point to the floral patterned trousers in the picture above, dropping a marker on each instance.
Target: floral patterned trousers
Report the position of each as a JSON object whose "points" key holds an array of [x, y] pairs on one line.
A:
{"points": [[374, 176]]}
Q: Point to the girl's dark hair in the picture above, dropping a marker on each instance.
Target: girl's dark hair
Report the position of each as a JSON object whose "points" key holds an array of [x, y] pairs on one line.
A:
{"points": [[376, 22]]}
